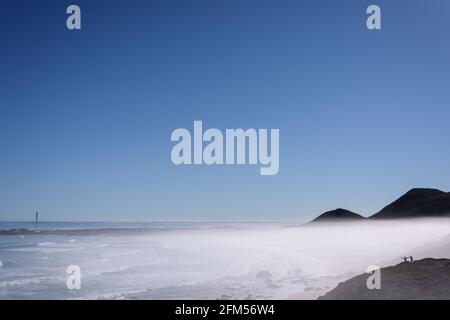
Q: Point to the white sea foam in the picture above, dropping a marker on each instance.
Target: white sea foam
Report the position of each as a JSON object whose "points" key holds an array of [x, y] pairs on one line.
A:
{"points": [[119, 254], [28, 281], [46, 244], [117, 294]]}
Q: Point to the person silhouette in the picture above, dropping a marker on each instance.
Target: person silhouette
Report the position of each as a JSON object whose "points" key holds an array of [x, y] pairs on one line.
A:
{"points": [[405, 259], [411, 259]]}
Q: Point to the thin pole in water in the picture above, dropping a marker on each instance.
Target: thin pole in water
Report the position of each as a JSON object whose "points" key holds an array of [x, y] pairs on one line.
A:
{"points": [[37, 214]]}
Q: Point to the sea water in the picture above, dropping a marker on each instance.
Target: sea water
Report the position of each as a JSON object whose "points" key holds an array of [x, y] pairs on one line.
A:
{"points": [[181, 260]]}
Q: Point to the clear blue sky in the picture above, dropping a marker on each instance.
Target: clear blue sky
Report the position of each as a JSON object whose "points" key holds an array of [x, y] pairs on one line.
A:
{"points": [[86, 117]]}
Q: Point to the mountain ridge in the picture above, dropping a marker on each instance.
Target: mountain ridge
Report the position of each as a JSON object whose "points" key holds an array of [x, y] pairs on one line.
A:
{"points": [[416, 203], [338, 214]]}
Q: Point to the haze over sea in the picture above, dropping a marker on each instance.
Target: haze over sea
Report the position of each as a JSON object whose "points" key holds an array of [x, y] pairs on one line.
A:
{"points": [[204, 260]]}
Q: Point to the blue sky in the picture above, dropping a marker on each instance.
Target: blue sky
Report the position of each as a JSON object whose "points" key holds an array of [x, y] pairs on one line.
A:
{"points": [[86, 116]]}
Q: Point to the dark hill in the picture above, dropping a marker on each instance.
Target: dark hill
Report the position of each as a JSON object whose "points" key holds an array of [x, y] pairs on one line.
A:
{"points": [[427, 279], [417, 203], [338, 215]]}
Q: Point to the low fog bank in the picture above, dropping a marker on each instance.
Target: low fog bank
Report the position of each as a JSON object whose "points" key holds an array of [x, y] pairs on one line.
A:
{"points": [[305, 262], [380, 242], [320, 250], [244, 262]]}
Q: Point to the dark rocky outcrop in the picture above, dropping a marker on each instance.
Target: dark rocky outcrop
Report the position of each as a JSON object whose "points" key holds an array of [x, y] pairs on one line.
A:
{"points": [[427, 279]]}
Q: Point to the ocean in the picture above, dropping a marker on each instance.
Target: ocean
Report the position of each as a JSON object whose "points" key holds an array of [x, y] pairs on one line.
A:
{"points": [[194, 260]]}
